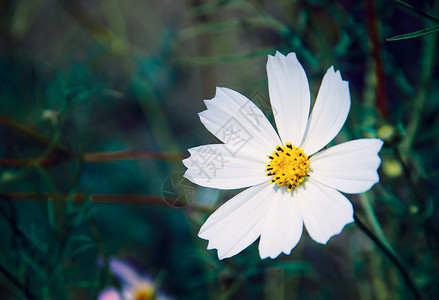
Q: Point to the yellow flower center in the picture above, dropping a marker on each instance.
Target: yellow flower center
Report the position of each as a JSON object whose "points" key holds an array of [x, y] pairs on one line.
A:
{"points": [[144, 294], [288, 166]]}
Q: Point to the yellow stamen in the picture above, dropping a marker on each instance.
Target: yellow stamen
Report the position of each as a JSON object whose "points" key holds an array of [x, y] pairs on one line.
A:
{"points": [[144, 294], [288, 166]]}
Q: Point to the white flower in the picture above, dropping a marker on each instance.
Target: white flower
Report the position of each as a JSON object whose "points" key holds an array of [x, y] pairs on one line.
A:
{"points": [[303, 184], [134, 286]]}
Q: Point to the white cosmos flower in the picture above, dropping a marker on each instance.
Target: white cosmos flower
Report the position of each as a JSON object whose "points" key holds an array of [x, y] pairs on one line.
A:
{"points": [[307, 183], [134, 286]]}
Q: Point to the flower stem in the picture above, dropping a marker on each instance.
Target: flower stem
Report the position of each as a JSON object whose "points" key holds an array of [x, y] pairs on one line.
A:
{"points": [[395, 260]]}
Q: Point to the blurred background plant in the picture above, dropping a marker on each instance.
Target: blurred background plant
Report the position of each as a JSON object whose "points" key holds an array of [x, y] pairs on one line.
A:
{"points": [[99, 102]]}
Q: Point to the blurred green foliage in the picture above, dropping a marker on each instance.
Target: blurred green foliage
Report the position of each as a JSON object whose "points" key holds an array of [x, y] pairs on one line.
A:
{"points": [[99, 102]]}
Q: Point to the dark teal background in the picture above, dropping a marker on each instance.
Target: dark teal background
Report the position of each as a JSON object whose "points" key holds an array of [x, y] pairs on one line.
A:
{"points": [[82, 79]]}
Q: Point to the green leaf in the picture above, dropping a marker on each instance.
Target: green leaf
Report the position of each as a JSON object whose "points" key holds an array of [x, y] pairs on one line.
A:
{"points": [[416, 10], [414, 34]]}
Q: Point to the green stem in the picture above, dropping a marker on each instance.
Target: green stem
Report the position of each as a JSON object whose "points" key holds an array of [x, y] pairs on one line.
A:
{"points": [[417, 193], [390, 255]]}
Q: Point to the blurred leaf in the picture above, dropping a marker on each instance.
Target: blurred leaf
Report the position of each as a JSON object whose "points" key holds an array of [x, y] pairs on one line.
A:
{"points": [[79, 250], [414, 34], [294, 267], [225, 59], [343, 44], [209, 28], [82, 238], [24, 15], [46, 177], [51, 214], [366, 201], [428, 210], [290, 267], [403, 83], [36, 267], [78, 94], [82, 215], [209, 6], [8, 176]]}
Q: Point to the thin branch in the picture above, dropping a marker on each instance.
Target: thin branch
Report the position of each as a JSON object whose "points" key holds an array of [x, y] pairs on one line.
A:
{"points": [[132, 155], [375, 38], [31, 133], [65, 155], [93, 157], [109, 198], [395, 260]]}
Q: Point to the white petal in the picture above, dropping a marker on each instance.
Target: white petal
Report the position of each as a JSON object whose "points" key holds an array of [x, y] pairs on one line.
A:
{"points": [[238, 222], [123, 271], [350, 167], [289, 96], [239, 123], [325, 211], [282, 226], [214, 166], [109, 294], [329, 112]]}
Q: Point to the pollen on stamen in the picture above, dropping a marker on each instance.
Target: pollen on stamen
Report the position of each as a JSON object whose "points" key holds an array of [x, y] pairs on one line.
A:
{"points": [[288, 166]]}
